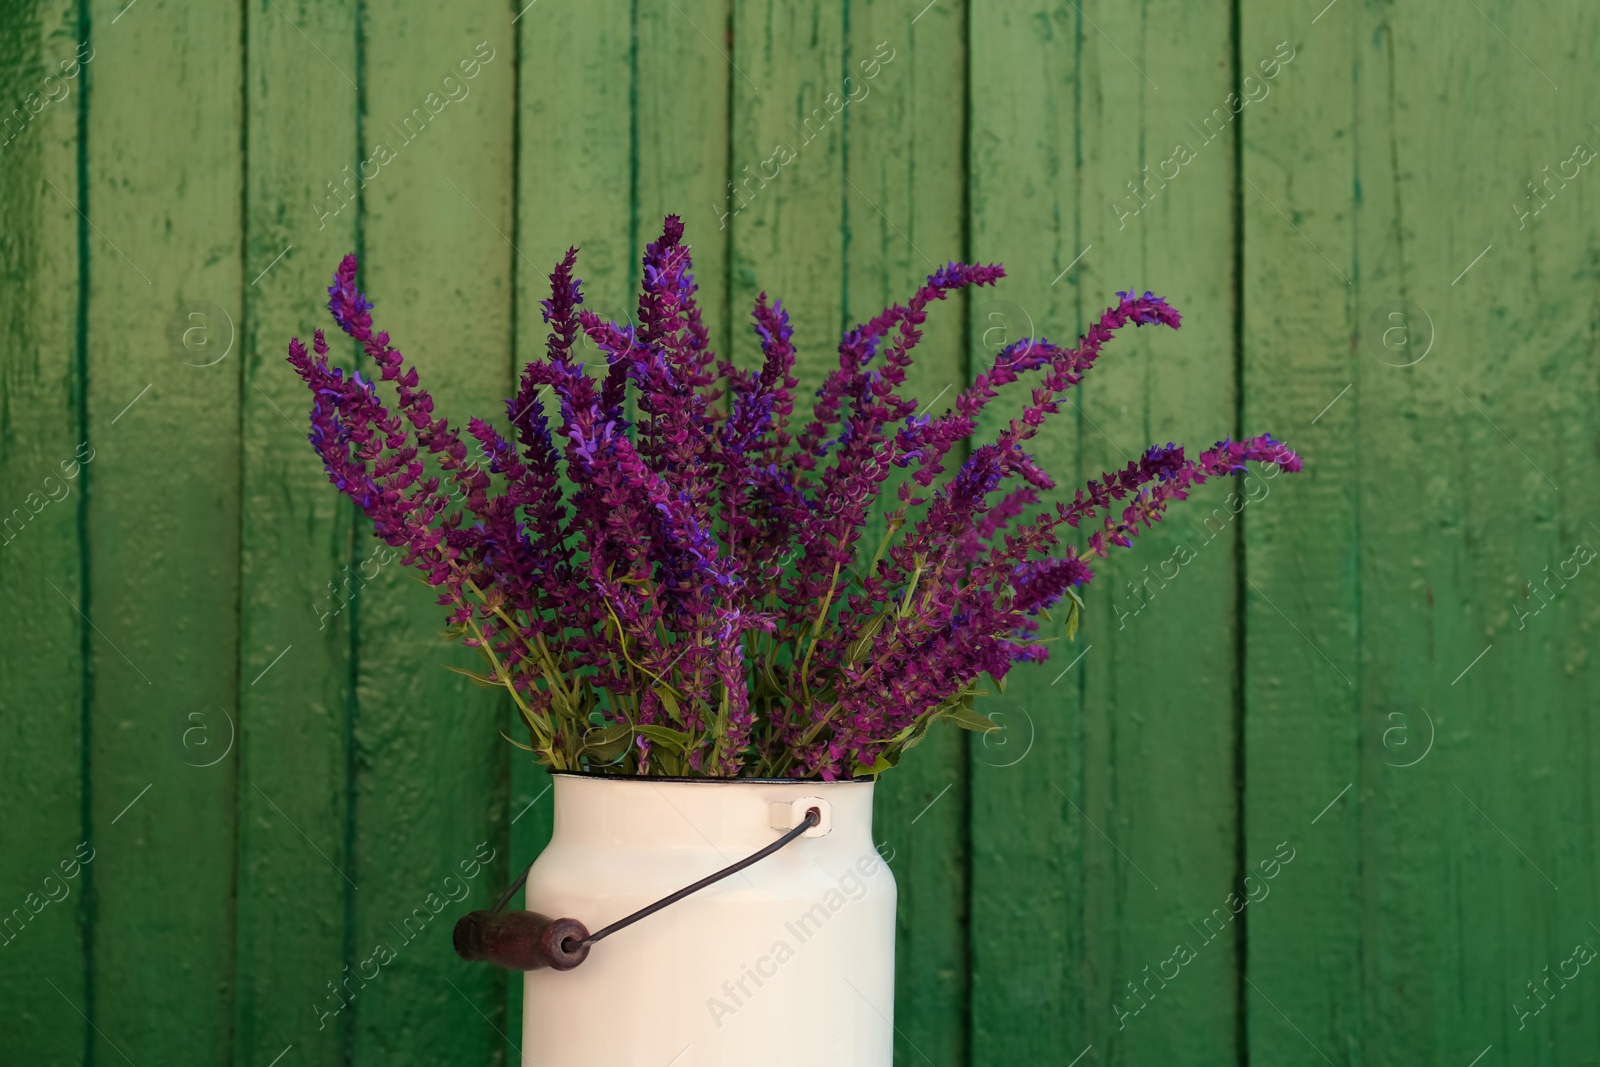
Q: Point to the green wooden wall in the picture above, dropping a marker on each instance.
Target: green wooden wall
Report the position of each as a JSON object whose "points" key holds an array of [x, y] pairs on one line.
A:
{"points": [[231, 765]]}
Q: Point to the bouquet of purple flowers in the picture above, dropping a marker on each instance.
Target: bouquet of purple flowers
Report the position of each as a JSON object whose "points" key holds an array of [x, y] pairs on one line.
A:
{"points": [[687, 593]]}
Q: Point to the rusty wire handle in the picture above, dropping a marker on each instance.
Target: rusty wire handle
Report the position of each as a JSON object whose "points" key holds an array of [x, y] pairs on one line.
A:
{"points": [[512, 888], [813, 817], [528, 941]]}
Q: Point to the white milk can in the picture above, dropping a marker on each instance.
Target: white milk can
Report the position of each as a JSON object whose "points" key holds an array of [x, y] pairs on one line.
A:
{"points": [[788, 963]]}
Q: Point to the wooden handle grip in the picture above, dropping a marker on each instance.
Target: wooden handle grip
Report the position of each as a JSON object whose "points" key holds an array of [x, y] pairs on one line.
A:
{"points": [[521, 940]]}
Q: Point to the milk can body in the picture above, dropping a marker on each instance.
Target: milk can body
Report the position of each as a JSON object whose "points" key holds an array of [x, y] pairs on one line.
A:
{"points": [[789, 963]]}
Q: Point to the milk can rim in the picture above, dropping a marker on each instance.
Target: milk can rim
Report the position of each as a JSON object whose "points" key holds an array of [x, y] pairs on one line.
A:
{"points": [[809, 782]]}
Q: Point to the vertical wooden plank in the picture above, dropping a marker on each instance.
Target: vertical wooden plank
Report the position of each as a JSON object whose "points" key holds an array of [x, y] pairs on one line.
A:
{"points": [[1027, 851], [43, 884], [681, 123], [575, 186], [430, 786], [1444, 484], [1159, 758], [1525, 421], [164, 194], [786, 217], [904, 134], [302, 577], [1510, 780], [1303, 729], [1400, 638], [576, 170]]}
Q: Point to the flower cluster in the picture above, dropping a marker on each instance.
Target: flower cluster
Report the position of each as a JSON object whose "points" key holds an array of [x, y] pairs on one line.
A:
{"points": [[677, 585]]}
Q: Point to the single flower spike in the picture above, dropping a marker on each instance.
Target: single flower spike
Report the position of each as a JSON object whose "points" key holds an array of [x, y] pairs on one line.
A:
{"points": [[669, 572]]}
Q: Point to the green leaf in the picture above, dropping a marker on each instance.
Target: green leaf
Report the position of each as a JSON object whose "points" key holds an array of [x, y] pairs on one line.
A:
{"points": [[606, 743], [519, 744], [883, 763], [669, 700], [487, 681], [770, 679], [1075, 609], [863, 641], [531, 719], [675, 740], [560, 705], [965, 717]]}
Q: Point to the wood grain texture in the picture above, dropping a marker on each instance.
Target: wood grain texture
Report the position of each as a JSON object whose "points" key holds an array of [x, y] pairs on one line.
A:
{"points": [[904, 216], [44, 889], [302, 574], [786, 217], [1447, 480], [1028, 841], [1159, 760], [1383, 664], [163, 520], [431, 780], [680, 162], [1304, 597], [576, 177], [1511, 773]]}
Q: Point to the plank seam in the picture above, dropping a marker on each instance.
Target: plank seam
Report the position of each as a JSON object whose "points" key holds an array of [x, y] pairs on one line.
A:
{"points": [[964, 795], [352, 703], [1241, 963], [236, 1029], [89, 903]]}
